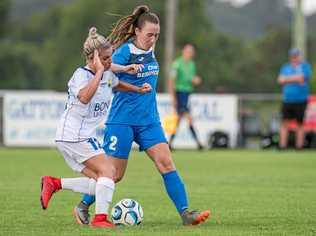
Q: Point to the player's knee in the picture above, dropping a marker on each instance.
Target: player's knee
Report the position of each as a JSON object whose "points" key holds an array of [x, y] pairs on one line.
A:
{"points": [[166, 165], [118, 177], [106, 171], [168, 168]]}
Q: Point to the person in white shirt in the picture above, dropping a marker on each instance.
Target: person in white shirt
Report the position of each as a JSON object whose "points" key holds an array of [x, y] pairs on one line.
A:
{"points": [[89, 96]]}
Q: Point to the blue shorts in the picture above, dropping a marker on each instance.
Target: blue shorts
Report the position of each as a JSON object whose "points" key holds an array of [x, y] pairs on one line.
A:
{"points": [[182, 102], [118, 138]]}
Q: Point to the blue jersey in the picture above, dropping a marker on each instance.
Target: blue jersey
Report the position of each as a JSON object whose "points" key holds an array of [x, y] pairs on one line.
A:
{"points": [[295, 92], [133, 108]]}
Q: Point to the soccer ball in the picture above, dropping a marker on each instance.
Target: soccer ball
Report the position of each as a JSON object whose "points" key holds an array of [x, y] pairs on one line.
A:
{"points": [[127, 212]]}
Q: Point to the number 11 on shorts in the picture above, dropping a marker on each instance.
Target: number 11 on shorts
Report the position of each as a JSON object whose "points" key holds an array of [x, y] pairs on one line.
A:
{"points": [[94, 143]]}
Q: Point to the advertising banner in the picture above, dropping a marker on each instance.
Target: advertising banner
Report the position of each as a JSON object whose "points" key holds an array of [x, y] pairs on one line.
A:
{"points": [[31, 118], [211, 113]]}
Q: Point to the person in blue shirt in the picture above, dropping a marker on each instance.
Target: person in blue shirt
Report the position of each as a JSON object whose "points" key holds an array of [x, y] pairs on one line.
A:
{"points": [[294, 78], [135, 117]]}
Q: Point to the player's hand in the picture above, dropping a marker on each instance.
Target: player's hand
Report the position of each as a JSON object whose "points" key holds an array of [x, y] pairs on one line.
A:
{"points": [[134, 68], [97, 62], [196, 81], [145, 88]]}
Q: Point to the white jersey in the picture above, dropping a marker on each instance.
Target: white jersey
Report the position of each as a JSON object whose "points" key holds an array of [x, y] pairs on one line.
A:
{"points": [[80, 121]]}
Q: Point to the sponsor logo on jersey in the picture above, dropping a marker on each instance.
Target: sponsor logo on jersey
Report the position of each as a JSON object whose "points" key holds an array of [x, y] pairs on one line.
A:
{"points": [[151, 70], [100, 109]]}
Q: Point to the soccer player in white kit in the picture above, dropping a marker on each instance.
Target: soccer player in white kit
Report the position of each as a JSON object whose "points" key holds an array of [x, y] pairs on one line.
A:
{"points": [[89, 96]]}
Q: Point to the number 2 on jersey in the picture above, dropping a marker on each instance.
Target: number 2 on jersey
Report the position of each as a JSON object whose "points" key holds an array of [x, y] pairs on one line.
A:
{"points": [[113, 143]]}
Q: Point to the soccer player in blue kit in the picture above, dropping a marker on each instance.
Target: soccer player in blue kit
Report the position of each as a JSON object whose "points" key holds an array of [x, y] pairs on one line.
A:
{"points": [[134, 117]]}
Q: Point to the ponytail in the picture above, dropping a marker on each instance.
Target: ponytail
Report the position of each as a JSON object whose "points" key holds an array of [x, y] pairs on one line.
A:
{"points": [[124, 28]]}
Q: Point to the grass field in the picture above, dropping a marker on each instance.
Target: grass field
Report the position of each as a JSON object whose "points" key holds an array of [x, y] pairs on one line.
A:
{"points": [[248, 192]]}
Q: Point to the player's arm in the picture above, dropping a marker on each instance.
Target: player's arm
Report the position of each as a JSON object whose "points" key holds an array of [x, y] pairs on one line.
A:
{"points": [[291, 79], [121, 58], [127, 87], [86, 93], [132, 69], [196, 80]]}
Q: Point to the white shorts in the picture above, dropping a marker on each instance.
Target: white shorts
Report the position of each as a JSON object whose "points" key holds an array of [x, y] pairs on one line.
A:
{"points": [[77, 153]]}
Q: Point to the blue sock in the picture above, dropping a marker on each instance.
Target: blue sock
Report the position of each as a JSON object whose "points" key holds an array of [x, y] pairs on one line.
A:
{"points": [[88, 199], [176, 190]]}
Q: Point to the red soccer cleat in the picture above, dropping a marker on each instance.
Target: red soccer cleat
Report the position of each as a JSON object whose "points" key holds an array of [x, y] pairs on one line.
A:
{"points": [[195, 217], [203, 216], [101, 221], [49, 185]]}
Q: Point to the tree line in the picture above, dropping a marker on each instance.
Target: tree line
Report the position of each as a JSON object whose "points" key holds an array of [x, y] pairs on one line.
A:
{"points": [[43, 51]]}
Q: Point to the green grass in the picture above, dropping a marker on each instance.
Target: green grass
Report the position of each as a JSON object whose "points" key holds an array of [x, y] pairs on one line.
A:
{"points": [[249, 193]]}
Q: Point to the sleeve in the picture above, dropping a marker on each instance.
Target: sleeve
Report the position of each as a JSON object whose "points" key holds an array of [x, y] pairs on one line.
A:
{"points": [[115, 80], [282, 71], [121, 55], [78, 81], [174, 70], [307, 70]]}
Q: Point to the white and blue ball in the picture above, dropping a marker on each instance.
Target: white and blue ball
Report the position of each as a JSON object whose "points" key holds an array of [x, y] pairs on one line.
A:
{"points": [[127, 212]]}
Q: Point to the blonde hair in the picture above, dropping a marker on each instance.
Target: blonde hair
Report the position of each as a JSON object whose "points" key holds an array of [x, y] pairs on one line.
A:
{"points": [[124, 28], [93, 42]]}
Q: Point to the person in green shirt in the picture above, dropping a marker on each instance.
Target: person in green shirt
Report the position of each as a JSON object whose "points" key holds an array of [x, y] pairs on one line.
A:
{"points": [[182, 80]]}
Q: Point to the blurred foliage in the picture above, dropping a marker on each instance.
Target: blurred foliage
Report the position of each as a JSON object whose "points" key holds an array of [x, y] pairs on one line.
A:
{"points": [[255, 17], [4, 12], [22, 9], [313, 81], [312, 59], [261, 68], [43, 52], [19, 66]]}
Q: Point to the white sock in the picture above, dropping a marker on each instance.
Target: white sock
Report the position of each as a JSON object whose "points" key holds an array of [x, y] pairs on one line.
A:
{"points": [[80, 185], [103, 195]]}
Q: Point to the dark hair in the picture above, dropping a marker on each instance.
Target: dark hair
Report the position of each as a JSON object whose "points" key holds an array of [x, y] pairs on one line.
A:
{"points": [[124, 28]]}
